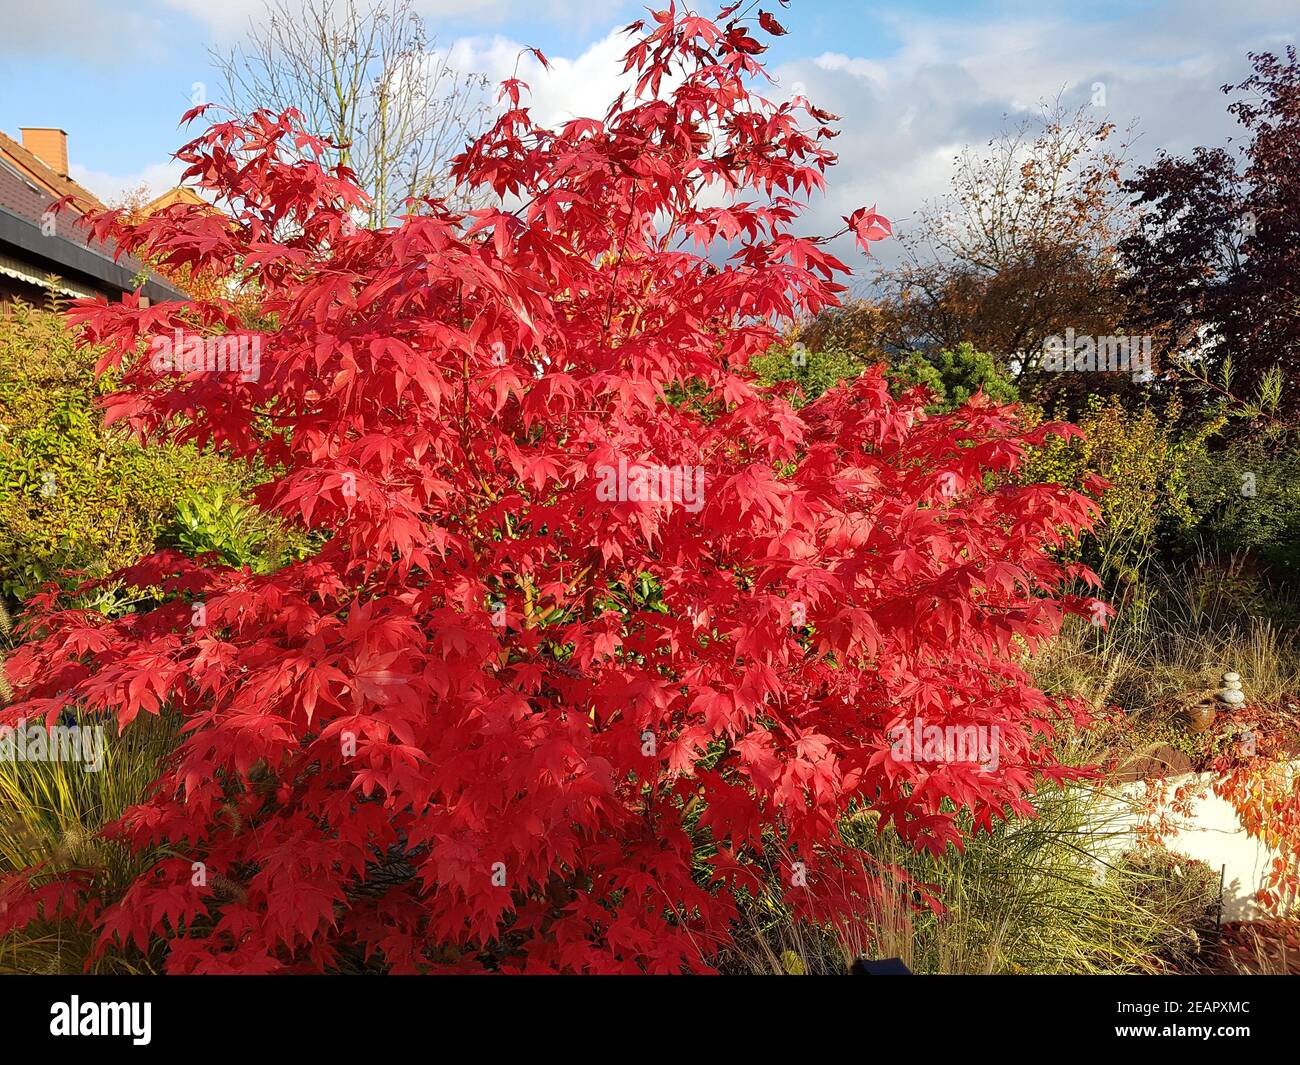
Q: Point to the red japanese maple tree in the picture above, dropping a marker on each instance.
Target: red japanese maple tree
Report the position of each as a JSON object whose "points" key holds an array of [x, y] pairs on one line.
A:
{"points": [[534, 703]]}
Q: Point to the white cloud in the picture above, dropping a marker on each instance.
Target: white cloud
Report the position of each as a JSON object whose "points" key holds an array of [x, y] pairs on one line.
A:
{"points": [[225, 20], [110, 188], [584, 86], [952, 79]]}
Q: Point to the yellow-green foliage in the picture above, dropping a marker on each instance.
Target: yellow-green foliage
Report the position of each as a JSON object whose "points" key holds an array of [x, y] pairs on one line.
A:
{"points": [[1148, 460], [74, 495]]}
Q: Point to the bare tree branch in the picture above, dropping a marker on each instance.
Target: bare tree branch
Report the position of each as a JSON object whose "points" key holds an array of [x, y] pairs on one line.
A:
{"points": [[367, 76]]}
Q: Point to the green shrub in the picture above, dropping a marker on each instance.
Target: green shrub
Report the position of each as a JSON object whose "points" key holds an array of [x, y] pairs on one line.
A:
{"points": [[216, 520], [1247, 497], [73, 494], [1178, 485], [813, 372], [952, 376]]}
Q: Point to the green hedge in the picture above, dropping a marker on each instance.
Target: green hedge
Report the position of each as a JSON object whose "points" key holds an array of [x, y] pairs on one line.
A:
{"points": [[73, 494]]}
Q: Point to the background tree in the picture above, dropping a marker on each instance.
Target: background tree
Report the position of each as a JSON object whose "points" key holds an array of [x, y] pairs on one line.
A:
{"points": [[367, 76], [1022, 247], [1213, 268]]}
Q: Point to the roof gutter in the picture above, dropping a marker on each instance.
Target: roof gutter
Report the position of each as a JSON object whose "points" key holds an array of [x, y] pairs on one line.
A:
{"points": [[66, 257]]}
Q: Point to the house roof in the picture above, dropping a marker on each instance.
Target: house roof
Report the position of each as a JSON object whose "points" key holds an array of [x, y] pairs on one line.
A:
{"points": [[43, 176], [180, 194], [69, 251]]}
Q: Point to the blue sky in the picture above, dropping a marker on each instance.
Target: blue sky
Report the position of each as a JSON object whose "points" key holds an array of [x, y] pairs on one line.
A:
{"points": [[913, 81]]}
